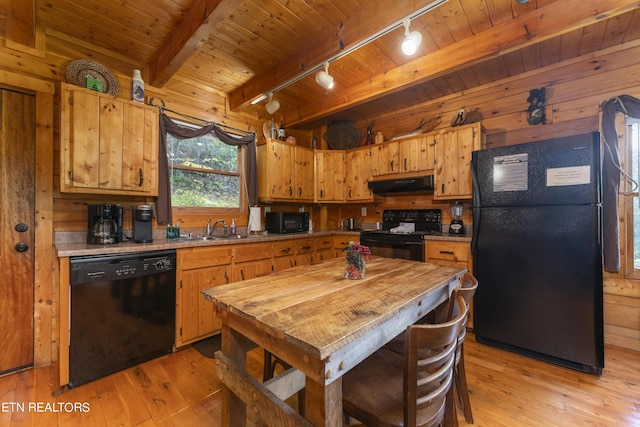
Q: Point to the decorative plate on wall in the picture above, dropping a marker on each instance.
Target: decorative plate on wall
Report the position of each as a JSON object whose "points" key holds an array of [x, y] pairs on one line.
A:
{"points": [[78, 71], [342, 135]]}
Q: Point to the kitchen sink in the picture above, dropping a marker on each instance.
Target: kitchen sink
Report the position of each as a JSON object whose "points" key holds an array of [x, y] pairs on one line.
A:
{"points": [[204, 238]]}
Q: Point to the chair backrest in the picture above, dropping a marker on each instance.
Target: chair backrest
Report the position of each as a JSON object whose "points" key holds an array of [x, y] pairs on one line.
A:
{"points": [[467, 288], [429, 357]]}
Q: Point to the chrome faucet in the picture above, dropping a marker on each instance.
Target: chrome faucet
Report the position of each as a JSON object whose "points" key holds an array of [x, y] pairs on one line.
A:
{"points": [[210, 227]]}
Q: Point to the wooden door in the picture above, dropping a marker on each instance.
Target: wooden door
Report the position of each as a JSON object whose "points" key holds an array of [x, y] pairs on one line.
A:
{"points": [[197, 318], [283, 170], [304, 173], [17, 179]]}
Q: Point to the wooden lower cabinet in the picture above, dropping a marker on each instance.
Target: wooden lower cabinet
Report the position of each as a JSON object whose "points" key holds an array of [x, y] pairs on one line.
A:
{"points": [[340, 241], [456, 254], [284, 255], [204, 267], [324, 249], [198, 269], [304, 251], [251, 260]]}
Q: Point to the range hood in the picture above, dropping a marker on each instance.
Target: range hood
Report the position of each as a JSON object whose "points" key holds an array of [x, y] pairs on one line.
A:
{"points": [[419, 184]]}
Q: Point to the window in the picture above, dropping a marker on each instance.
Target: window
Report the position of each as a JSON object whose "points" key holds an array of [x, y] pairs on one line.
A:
{"points": [[203, 172], [632, 201]]}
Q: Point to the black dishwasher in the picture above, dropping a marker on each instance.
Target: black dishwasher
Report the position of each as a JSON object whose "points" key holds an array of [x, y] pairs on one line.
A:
{"points": [[122, 312]]}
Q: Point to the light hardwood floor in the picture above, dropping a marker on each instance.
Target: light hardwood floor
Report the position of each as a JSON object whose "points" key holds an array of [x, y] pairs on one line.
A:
{"points": [[182, 390]]}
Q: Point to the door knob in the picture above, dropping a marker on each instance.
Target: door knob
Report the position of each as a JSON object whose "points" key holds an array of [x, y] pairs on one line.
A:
{"points": [[21, 228], [21, 247]]}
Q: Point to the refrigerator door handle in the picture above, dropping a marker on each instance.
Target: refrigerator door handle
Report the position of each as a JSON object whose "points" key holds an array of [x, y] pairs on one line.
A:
{"points": [[477, 212], [476, 207], [476, 186]]}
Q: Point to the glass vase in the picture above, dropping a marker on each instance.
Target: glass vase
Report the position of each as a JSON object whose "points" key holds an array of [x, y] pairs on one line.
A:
{"points": [[355, 266]]}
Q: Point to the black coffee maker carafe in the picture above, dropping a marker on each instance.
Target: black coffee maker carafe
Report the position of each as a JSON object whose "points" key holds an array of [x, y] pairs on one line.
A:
{"points": [[142, 225], [105, 224]]}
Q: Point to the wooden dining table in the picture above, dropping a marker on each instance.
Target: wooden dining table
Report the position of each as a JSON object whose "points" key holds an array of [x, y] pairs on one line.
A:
{"points": [[322, 325]]}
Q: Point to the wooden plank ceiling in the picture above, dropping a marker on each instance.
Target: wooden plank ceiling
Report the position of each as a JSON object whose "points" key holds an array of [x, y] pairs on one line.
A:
{"points": [[245, 48]]}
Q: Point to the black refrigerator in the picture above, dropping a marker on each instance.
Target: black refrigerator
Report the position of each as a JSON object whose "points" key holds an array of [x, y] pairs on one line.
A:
{"points": [[537, 250]]}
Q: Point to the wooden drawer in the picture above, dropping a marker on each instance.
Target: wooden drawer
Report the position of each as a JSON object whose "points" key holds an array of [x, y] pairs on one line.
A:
{"points": [[304, 246], [324, 243], [189, 258], [283, 248], [340, 241], [448, 251], [252, 252]]}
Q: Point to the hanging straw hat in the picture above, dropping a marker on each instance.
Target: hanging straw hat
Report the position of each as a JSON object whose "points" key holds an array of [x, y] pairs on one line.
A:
{"points": [[78, 71]]}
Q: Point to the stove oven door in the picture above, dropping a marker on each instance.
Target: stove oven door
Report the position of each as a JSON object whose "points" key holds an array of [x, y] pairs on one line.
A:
{"points": [[394, 246]]}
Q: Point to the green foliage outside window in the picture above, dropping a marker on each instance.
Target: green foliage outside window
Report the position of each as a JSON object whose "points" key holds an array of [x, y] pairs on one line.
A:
{"points": [[203, 172]]}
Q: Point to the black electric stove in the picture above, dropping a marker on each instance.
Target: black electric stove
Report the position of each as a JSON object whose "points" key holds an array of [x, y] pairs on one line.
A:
{"points": [[402, 233]]}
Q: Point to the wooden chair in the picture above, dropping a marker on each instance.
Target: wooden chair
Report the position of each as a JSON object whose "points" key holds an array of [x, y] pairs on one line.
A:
{"points": [[388, 389], [466, 290], [270, 363], [468, 286]]}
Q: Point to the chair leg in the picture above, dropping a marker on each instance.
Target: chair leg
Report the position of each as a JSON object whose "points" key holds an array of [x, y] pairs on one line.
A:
{"points": [[269, 366], [268, 371], [460, 375], [450, 415]]}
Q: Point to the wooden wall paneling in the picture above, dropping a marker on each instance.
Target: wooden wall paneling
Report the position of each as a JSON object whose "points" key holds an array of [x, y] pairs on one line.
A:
{"points": [[621, 318], [20, 23], [43, 293]]}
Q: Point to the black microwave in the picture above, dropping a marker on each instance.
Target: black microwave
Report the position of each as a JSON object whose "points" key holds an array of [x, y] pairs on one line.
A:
{"points": [[287, 222]]}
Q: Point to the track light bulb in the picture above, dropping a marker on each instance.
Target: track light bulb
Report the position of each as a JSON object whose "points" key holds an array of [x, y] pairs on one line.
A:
{"points": [[273, 105], [412, 39], [323, 78]]}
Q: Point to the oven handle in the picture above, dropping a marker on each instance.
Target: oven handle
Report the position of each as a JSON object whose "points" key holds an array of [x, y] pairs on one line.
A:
{"points": [[366, 242]]}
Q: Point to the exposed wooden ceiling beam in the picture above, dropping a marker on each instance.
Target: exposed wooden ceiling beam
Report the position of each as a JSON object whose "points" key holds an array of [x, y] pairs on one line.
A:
{"points": [[193, 31], [21, 22], [373, 18], [544, 23]]}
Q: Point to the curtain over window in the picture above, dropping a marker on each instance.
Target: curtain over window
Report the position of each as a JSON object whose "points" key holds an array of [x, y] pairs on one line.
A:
{"points": [[611, 175], [168, 126]]}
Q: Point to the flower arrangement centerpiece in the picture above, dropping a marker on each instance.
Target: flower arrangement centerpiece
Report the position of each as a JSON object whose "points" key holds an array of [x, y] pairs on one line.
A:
{"points": [[355, 266]]}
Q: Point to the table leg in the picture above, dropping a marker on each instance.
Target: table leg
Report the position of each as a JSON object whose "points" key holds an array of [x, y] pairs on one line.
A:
{"points": [[324, 403], [234, 345]]}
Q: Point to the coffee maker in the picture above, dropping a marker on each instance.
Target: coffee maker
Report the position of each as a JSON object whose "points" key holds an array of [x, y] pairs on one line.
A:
{"points": [[456, 226], [142, 216], [104, 224]]}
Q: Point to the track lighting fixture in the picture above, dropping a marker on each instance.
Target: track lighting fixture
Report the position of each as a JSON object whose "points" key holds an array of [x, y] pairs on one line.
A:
{"points": [[323, 78], [412, 39], [273, 105]]}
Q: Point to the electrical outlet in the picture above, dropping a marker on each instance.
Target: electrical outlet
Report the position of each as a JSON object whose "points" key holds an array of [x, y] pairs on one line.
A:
{"points": [[363, 211], [267, 209], [301, 209]]}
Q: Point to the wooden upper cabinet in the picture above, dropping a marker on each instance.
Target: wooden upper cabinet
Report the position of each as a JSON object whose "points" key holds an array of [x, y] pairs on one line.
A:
{"points": [[329, 175], [417, 154], [109, 145], [285, 172], [358, 174], [453, 159], [387, 158], [304, 170]]}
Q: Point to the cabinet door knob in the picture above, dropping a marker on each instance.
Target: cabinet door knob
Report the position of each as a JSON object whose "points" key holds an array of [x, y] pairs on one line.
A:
{"points": [[21, 247], [141, 178]]}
